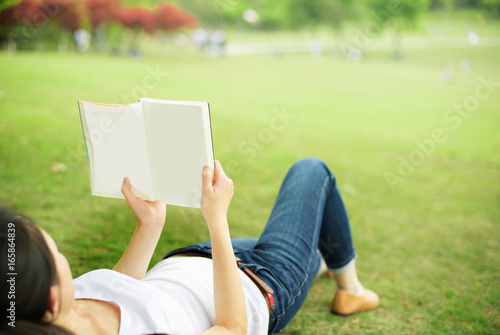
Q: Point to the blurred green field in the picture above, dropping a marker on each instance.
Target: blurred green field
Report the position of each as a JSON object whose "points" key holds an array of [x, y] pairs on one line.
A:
{"points": [[428, 243]]}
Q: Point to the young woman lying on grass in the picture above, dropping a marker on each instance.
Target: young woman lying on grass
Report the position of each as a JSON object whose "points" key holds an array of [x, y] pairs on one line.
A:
{"points": [[198, 289]]}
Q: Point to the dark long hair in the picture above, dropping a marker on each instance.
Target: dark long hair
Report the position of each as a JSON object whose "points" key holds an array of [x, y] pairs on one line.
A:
{"points": [[27, 271]]}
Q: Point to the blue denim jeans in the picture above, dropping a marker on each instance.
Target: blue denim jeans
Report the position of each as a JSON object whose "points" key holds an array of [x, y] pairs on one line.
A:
{"points": [[308, 215]]}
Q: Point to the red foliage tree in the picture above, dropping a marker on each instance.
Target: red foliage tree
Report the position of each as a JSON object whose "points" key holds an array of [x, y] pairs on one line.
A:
{"points": [[136, 17], [24, 12], [101, 11], [170, 17], [66, 13], [166, 16], [29, 12]]}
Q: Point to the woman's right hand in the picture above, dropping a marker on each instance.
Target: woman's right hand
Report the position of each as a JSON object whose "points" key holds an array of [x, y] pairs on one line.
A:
{"points": [[216, 194], [148, 213]]}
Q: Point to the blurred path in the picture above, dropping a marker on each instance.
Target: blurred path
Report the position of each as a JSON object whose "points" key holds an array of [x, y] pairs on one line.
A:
{"points": [[306, 46]]}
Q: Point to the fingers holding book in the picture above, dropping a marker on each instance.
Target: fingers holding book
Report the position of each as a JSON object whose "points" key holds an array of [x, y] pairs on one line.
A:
{"points": [[217, 191], [150, 213]]}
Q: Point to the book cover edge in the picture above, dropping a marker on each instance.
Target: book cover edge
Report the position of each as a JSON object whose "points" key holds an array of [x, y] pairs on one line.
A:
{"points": [[83, 124]]}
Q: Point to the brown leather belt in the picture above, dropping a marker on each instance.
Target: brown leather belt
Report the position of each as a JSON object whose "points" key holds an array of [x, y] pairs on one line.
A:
{"points": [[265, 289]]}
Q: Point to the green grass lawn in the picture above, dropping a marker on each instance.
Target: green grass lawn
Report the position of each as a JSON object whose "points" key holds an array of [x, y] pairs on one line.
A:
{"points": [[428, 241]]}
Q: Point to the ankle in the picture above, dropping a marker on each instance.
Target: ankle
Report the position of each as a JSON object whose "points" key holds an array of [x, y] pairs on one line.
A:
{"points": [[349, 282], [357, 289]]}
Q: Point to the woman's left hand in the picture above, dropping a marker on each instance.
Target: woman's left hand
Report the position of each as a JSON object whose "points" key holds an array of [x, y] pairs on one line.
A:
{"points": [[216, 194], [151, 213]]}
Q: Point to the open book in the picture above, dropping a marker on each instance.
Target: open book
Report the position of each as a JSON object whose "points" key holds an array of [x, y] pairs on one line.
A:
{"points": [[160, 145]]}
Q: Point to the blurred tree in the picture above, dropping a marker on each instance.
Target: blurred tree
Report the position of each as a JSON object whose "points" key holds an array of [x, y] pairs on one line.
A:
{"points": [[314, 12], [67, 14], [466, 3], [20, 23], [273, 15], [292, 14], [23, 12], [491, 5], [166, 16], [397, 15], [23, 20], [101, 12], [170, 17], [135, 18], [7, 3], [209, 13], [441, 4]]}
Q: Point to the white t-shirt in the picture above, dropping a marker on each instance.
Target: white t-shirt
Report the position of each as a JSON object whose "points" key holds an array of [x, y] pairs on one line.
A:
{"points": [[175, 297]]}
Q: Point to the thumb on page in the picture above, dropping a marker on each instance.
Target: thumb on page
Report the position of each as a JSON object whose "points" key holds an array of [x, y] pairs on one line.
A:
{"points": [[126, 189], [207, 179]]}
